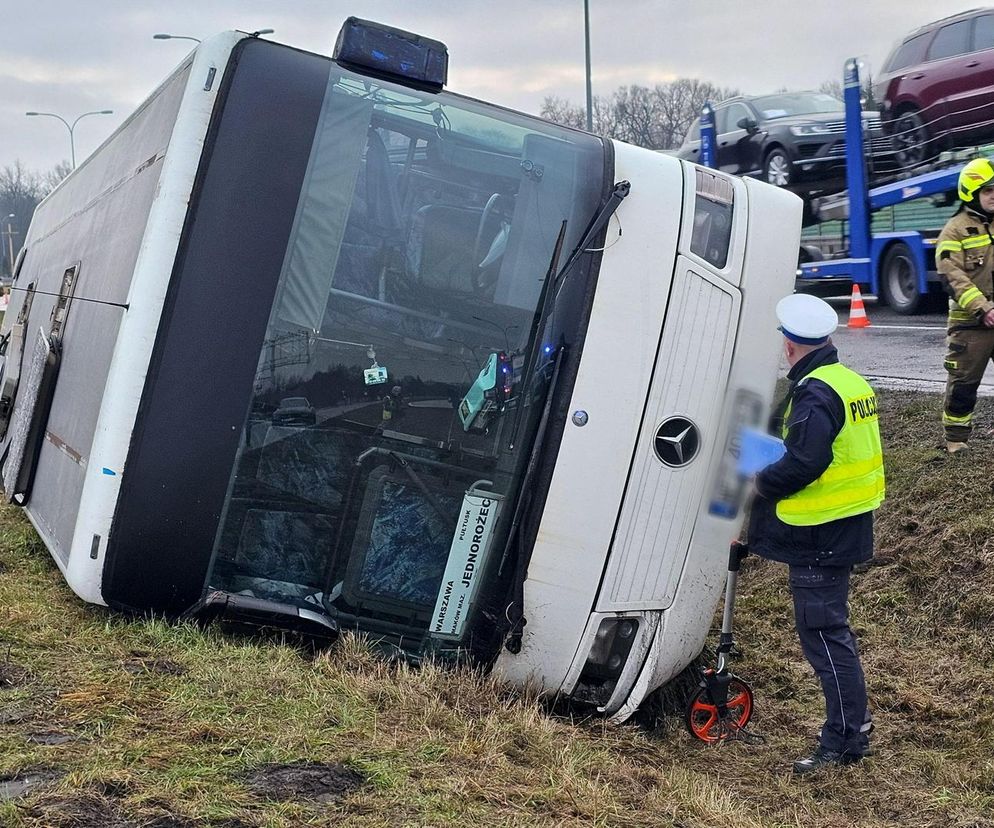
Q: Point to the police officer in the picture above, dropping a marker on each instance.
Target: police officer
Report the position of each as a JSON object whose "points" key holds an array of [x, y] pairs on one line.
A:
{"points": [[813, 510], [965, 259]]}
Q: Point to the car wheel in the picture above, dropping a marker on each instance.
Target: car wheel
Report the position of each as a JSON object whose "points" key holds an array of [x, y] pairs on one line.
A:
{"points": [[910, 138], [777, 169], [899, 280]]}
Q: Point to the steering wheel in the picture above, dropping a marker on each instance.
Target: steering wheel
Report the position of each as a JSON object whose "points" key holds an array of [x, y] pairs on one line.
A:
{"points": [[484, 242]]}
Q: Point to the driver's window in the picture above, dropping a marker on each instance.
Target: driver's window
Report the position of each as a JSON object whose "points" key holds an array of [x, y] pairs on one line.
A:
{"points": [[734, 114], [721, 120]]}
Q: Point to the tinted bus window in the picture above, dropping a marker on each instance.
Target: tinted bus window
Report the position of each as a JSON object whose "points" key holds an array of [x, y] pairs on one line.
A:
{"points": [[394, 390]]}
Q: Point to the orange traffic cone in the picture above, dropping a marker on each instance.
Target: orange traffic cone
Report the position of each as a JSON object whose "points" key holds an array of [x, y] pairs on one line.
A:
{"points": [[857, 313]]}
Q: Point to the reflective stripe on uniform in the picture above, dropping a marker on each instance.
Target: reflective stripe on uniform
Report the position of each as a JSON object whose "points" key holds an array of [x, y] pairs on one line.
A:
{"points": [[969, 295], [952, 419], [853, 483], [851, 496], [849, 470], [971, 242]]}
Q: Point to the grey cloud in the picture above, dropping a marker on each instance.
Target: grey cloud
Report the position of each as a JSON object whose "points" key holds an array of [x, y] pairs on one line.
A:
{"points": [[68, 57]]}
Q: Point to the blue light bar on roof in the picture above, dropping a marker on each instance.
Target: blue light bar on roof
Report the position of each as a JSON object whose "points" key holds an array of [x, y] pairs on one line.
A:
{"points": [[407, 58]]}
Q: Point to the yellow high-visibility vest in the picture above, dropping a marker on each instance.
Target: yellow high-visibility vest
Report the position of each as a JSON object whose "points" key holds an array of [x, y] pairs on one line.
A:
{"points": [[854, 482]]}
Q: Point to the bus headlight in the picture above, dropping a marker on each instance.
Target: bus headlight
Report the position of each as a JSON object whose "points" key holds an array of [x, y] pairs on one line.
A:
{"points": [[606, 659]]}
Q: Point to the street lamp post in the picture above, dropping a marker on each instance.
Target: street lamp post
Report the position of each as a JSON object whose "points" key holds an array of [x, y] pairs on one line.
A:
{"points": [[72, 127], [164, 36], [174, 37], [586, 35]]}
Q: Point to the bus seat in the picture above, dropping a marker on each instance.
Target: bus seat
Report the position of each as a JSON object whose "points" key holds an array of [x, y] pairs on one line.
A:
{"points": [[440, 247]]}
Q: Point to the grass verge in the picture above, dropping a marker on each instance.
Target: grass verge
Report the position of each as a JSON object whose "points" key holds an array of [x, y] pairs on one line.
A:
{"points": [[106, 721]]}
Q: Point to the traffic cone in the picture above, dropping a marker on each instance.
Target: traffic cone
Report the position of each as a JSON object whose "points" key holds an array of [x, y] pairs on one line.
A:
{"points": [[857, 313]]}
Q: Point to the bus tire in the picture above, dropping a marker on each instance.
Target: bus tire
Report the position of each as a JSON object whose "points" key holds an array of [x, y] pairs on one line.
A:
{"points": [[899, 280]]}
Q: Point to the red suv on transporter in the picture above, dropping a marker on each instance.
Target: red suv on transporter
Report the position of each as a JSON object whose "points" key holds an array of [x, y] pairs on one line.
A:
{"points": [[937, 86]]}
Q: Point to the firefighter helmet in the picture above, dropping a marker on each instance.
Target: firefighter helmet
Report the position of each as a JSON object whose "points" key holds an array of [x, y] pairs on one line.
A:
{"points": [[974, 176]]}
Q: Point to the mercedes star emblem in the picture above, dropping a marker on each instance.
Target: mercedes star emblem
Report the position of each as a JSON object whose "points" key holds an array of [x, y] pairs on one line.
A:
{"points": [[677, 441]]}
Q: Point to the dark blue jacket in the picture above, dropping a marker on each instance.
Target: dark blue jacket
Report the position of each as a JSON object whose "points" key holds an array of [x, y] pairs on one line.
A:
{"points": [[817, 416]]}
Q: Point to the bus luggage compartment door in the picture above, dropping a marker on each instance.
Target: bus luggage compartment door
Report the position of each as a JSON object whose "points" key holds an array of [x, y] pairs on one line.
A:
{"points": [[671, 467], [27, 428]]}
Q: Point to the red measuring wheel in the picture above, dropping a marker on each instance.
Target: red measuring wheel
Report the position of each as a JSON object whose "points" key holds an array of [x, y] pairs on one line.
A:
{"points": [[706, 723]]}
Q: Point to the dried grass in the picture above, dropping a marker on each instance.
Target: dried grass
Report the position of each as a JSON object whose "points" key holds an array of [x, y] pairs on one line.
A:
{"points": [[172, 720]]}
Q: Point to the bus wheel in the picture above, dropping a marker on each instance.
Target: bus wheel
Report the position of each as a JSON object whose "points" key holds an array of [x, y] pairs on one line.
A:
{"points": [[899, 280]]}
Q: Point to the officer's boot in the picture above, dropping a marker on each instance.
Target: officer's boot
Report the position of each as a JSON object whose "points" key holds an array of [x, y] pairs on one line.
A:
{"points": [[822, 757]]}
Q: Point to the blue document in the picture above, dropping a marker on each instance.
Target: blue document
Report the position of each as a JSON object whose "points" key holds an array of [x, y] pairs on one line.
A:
{"points": [[757, 450]]}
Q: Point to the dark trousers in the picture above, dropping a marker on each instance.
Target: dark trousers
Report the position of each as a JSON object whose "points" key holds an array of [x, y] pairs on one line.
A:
{"points": [[968, 350], [821, 615]]}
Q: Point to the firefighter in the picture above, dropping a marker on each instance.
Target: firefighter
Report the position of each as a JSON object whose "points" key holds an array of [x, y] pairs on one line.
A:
{"points": [[965, 259], [813, 510]]}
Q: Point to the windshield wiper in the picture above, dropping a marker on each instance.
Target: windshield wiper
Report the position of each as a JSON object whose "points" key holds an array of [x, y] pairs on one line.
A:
{"points": [[553, 283], [618, 194], [514, 612], [528, 370]]}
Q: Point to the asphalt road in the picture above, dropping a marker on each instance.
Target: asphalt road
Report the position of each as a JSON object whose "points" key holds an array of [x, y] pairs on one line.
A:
{"points": [[897, 351]]}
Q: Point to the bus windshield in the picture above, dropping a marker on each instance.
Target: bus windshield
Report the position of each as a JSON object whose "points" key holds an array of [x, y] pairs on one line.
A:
{"points": [[394, 404]]}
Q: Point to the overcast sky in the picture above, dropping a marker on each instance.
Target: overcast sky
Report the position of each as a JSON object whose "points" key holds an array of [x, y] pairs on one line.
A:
{"points": [[71, 57]]}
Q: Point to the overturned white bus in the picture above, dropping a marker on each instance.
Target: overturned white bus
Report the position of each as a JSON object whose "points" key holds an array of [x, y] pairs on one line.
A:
{"points": [[316, 342]]}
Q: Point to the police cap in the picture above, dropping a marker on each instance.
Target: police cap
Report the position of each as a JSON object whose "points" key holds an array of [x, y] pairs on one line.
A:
{"points": [[806, 319]]}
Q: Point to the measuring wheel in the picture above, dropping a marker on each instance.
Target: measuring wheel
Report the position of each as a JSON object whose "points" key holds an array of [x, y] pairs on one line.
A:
{"points": [[706, 721]]}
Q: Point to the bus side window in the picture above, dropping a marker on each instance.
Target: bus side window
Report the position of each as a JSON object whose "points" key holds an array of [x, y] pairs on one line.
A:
{"points": [[18, 264], [713, 207]]}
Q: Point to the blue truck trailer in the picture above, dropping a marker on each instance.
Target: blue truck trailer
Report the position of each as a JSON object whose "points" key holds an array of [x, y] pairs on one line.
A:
{"points": [[897, 265], [881, 237]]}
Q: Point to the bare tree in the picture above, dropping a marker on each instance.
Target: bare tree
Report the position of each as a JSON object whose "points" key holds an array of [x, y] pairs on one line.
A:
{"points": [[866, 87], [831, 87], [834, 88], [20, 192], [51, 179], [636, 116], [561, 111], [18, 187], [681, 103], [655, 117]]}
